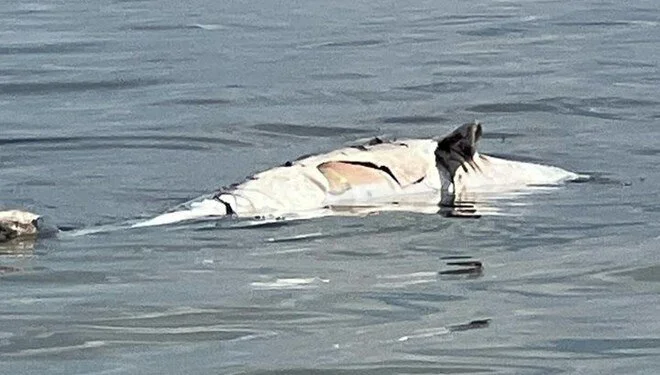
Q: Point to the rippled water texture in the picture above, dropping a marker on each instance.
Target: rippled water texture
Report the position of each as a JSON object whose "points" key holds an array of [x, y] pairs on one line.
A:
{"points": [[112, 111]]}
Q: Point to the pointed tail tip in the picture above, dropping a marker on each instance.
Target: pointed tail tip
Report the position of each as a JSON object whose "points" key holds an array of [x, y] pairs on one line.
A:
{"points": [[168, 218], [580, 177], [200, 212]]}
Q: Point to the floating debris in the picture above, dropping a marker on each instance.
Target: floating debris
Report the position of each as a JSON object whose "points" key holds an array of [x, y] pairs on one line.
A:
{"points": [[470, 267]]}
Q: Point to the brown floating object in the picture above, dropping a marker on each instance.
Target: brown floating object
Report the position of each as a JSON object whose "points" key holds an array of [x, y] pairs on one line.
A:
{"points": [[18, 224]]}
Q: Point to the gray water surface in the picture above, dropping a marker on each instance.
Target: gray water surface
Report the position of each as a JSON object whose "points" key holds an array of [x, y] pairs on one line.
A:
{"points": [[112, 111]]}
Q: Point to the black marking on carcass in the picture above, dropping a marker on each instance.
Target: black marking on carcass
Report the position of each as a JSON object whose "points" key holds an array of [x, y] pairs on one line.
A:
{"points": [[419, 180], [375, 141], [228, 208], [372, 142], [368, 164]]}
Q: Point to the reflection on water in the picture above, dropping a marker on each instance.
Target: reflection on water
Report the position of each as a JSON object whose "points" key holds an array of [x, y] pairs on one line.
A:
{"points": [[17, 246], [113, 112]]}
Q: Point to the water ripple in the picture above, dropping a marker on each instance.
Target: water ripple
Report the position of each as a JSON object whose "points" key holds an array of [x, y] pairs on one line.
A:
{"points": [[172, 142], [198, 101], [600, 107], [414, 120], [42, 88], [345, 44], [493, 31], [340, 76], [50, 48], [446, 87], [307, 131]]}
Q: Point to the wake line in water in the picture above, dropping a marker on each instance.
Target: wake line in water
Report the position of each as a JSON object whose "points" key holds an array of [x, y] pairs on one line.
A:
{"points": [[94, 230], [199, 212], [185, 216], [204, 209]]}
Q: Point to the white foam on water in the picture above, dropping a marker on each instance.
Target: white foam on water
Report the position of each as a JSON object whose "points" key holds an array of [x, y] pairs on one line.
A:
{"points": [[402, 280], [289, 283], [208, 27], [57, 349], [426, 333]]}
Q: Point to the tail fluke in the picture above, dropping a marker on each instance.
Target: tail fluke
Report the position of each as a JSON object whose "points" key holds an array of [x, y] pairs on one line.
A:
{"points": [[458, 148]]}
